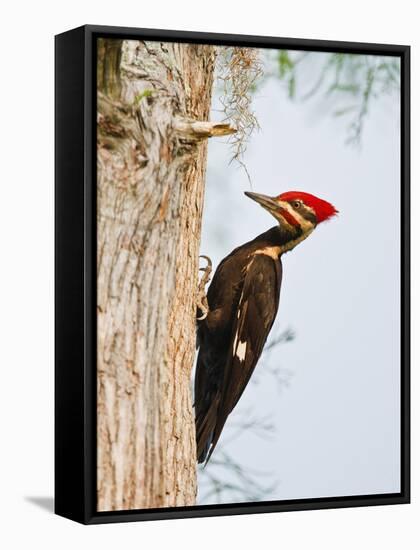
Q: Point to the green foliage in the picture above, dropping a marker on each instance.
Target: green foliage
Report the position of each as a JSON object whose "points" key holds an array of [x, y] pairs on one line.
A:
{"points": [[285, 62], [286, 67], [142, 95], [348, 82]]}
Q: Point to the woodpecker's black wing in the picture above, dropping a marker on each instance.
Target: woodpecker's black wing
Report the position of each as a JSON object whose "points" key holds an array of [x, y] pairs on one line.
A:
{"points": [[256, 313], [228, 364]]}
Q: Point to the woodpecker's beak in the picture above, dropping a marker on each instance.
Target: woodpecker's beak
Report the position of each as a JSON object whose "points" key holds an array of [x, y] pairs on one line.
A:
{"points": [[265, 201]]}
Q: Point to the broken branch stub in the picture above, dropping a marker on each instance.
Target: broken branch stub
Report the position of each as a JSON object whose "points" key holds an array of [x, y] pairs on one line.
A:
{"points": [[201, 129]]}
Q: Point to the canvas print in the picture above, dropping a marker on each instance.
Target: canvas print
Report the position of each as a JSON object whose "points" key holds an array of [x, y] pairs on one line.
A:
{"points": [[248, 274]]}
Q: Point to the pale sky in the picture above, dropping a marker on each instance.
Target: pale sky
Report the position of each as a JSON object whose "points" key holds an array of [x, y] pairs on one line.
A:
{"points": [[337, 424]]}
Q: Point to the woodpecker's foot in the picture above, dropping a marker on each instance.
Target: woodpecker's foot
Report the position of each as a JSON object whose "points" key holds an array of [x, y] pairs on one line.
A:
{"points": [[202, 304]]}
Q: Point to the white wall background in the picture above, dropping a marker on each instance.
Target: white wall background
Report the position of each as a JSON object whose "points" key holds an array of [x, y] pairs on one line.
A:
{"points": [[26, 299]]}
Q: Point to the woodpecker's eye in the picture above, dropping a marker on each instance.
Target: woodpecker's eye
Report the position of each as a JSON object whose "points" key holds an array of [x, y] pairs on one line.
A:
{"points": [[297, 204]]}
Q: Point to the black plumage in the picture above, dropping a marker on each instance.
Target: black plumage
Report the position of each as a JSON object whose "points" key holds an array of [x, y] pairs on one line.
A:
{"points": [[243, 300]]}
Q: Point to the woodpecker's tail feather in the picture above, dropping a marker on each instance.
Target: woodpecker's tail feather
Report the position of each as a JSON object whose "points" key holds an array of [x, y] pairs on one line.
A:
{"points": [[205, 430], [208, 431], [202, 457]]}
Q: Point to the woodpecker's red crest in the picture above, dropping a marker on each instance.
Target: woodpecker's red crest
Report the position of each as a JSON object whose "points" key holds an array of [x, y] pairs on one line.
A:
{"points": [[323, 210]]}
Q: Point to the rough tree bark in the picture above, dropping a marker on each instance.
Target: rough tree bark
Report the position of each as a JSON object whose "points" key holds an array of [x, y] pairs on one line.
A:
{"points": [[153, 107]]}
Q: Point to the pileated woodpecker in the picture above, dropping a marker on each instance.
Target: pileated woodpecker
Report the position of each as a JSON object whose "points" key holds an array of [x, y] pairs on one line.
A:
{"points": [[243, 299]]}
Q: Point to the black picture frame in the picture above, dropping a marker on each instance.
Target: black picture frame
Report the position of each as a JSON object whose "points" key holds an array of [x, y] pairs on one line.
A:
{"points": [[75, 291]]}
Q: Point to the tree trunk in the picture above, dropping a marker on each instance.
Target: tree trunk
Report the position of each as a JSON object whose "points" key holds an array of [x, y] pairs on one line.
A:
{"points": [[153, 106]]}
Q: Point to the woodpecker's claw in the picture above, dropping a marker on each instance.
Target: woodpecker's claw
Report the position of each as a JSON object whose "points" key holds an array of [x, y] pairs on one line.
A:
{"points": [[208, 267], [202, 307], [202, 303]]}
